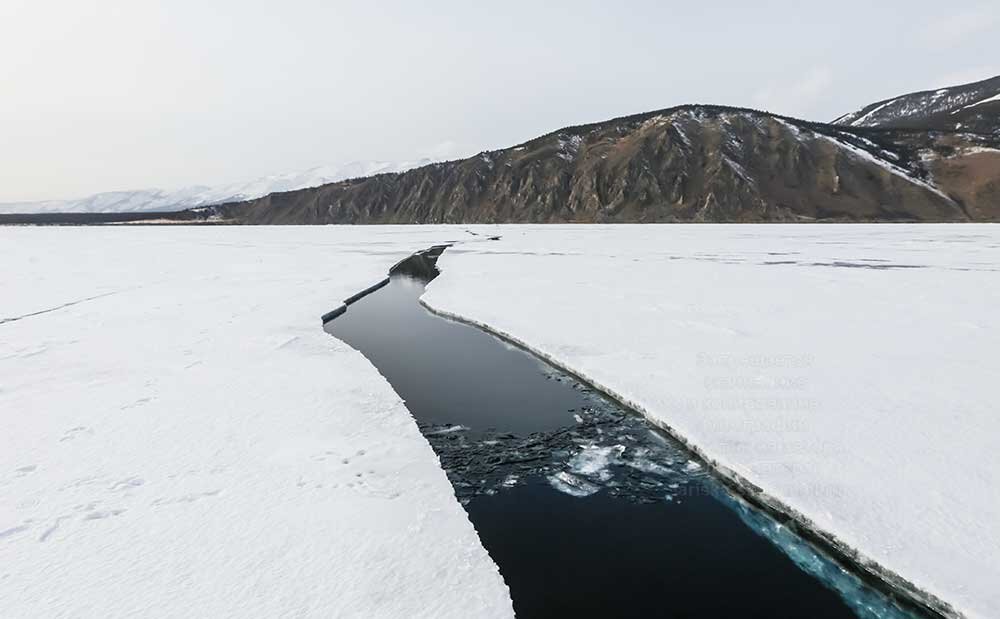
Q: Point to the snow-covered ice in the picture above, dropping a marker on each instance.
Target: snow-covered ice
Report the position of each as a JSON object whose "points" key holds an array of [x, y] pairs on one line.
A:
{"points": [[848, 371], [181, 438]]}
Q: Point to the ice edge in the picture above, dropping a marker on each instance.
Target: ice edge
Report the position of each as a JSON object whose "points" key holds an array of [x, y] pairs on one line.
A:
{"points": [[866, 568], [342, 308]]}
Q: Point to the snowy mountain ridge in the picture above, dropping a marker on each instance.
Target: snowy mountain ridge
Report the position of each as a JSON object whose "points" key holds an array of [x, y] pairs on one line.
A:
{"points": [[152, 200], [968, 107]]}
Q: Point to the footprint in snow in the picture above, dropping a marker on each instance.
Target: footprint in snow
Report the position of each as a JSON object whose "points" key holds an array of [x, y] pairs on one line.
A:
{"points": [[101, 515], [187, 498], [127, 484], [13, 531], [25, 470], [75, 432], [136, 403], [52, 529]]}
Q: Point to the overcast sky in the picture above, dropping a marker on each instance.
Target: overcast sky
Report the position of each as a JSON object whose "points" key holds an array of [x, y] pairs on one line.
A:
{"points": [[104, 95]]}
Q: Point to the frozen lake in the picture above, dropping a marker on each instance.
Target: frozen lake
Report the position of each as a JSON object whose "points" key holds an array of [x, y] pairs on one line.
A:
{"points": [[178, 424]]}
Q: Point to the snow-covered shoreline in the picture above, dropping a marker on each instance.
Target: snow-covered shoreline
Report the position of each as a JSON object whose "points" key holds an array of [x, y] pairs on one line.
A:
{"points": [[181, 438], [877, 475]]}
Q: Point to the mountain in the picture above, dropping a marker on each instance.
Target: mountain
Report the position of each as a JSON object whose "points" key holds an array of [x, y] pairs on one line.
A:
{"points": [[696, 163], [971, 107], [928, 157], [157, 200]]}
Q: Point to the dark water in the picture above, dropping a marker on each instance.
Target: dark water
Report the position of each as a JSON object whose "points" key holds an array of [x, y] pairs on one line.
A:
{"points": [[450, 373], [586, 509]]}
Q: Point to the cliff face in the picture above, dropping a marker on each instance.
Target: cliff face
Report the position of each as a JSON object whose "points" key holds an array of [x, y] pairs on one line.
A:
{"points": [[686, 164]]}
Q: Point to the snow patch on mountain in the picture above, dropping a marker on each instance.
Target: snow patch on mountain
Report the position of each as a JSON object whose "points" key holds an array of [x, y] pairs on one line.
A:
{"points": [[992, 99]]}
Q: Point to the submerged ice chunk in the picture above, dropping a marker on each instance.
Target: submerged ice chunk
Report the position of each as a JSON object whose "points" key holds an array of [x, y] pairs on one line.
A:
{"points": [[648, 466], [572, 485], [645, 460], [691, 466]]}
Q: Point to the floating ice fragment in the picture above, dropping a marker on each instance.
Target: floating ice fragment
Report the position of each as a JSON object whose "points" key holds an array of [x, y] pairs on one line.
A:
{"points": [[594, 461], [448, 430], [692, 466]]}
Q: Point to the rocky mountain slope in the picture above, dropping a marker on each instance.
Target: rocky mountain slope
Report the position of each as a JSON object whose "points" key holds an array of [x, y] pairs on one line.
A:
{"points": [[971, 107], [684, 164]]}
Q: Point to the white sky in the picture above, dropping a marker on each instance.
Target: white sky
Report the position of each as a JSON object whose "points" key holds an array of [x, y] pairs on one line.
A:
{"points": [[103, 94]]}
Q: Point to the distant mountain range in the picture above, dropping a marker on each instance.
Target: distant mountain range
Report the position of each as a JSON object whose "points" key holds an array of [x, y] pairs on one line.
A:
{"points": [[926, 156], [158, 200]]}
